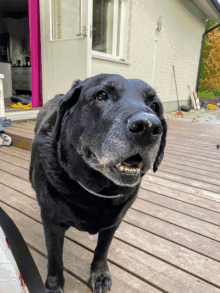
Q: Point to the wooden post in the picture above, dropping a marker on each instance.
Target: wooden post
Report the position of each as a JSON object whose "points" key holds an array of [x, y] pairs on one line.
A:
{"points": [[2, 103]]}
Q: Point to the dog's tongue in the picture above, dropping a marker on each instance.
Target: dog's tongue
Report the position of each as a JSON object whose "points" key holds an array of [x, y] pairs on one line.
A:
{"points": [[134, 163]]}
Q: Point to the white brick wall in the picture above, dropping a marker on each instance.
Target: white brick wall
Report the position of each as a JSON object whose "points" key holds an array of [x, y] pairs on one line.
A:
{"points": [[179, 43]]}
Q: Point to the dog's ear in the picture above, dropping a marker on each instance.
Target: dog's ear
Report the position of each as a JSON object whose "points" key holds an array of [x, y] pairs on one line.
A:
{"points": [[66, 103], [160, 154]]}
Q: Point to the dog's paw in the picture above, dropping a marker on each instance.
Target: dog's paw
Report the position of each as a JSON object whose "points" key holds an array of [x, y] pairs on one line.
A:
{"points": [[54, 284], [59, 290], [100, 282]]}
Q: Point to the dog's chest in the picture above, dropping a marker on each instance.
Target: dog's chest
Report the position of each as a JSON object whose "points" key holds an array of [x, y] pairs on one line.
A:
{"points": [[93, 219]]}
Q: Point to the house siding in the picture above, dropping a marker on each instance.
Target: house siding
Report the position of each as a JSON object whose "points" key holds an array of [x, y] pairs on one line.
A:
{"points": [[178, 43]]}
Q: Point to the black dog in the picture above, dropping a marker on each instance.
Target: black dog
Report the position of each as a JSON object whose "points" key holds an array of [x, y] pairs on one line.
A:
{"points": [[91, 149]]}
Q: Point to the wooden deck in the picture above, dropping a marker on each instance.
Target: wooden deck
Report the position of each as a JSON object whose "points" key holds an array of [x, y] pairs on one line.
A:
{"points": [[169, 240]]}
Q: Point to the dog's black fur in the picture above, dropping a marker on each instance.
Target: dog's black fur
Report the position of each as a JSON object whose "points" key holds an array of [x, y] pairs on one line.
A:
{"points": [[99, 123]]}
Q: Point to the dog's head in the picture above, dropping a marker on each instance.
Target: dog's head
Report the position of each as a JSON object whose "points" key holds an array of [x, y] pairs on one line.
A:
{"points": [[110, 126]]}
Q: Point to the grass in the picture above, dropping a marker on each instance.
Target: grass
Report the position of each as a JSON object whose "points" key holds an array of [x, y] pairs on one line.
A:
{"points": [[206, 94]]}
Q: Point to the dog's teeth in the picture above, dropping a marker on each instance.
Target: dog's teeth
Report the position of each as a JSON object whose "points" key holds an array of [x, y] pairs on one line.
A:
{"points": [[129, 169], [121, 168], [118, 165]]}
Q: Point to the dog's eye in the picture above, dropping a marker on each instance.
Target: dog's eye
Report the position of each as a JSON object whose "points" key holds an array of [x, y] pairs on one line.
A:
{"points": [[101, 96], [154, 107]]}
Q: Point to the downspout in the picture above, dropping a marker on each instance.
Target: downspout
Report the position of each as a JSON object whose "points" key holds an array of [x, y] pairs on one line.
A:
{"points": [[200, 59]]}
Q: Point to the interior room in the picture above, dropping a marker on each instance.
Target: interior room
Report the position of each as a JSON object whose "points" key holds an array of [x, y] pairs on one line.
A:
{"points": [[15, 62]]}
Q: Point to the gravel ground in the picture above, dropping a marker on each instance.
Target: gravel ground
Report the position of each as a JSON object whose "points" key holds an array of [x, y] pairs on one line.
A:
{"points": [[199, 116]]}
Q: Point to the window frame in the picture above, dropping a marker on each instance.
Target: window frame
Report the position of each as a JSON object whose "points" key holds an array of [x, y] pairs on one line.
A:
{"points": [[123, 33]]}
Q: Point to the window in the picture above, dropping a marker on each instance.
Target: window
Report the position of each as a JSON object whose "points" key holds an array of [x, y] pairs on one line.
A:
{"points": [[65, 19], [109, 23]]}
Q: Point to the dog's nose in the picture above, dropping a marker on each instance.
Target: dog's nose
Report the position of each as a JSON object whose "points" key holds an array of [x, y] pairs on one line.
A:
{"points": [[143, 123]]}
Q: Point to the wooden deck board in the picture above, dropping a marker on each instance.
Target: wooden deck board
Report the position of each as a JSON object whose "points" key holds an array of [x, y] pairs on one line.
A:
{"points": [[183, 187], [169, 240], [185, 161], [194, 157], [73, 285], [186, 171], [20, 153], [187, 181], [179, 206], [179, 219], [14, 170], [77, 259], [193, 150], [181, 196], [173, 233], [136, 260]]}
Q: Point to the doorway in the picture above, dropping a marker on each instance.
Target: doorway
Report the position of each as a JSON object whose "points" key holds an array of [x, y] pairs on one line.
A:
{"points": [[15, 56]]}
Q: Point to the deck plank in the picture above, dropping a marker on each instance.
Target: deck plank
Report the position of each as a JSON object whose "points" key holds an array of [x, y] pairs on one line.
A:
{"points": [[26, 129], [183, 187], [187, 181], [204, 137], [192, 142], [134, 260], [180, 160], [190, 174], [176, 218], [11, 131], [193, 157], [72, 284], [206, 203], [176, 167], [211, 152], [77, 259], [27, 126], [14, 170], [169, 239], [179, 206], [166, 230], [176, 234], [21, 185], [21, 162], [12, 151]]}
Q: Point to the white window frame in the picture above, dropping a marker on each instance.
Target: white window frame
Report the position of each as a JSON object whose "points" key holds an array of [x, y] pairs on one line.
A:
{"points": [[123, 33]]}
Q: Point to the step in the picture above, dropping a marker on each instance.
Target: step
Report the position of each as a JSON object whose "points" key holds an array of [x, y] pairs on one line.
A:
{"points": [[22, 134]]}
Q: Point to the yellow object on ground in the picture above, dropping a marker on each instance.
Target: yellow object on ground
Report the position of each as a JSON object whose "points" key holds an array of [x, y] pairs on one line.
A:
{"points": [[20, 105], [211, 106]]}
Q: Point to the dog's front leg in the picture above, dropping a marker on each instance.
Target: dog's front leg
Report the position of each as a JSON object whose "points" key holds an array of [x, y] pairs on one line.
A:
{"points": [[54, 236], [100, 278]]}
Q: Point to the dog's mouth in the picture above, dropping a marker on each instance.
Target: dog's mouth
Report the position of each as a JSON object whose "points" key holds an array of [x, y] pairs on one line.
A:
{"points": [[131, 165]]}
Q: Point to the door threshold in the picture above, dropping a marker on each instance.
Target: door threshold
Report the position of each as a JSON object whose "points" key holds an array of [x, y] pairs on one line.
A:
{"points": [[21, 115], [21, 109]]}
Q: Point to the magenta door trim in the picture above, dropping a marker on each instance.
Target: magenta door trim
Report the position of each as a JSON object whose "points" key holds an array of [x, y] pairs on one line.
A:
{"points": [[35, 49]]}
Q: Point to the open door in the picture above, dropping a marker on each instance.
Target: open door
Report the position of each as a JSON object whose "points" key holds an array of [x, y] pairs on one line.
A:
{"points": [[65, 44]]}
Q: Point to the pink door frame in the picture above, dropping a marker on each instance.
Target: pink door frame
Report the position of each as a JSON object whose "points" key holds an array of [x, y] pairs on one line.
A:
{"points": [[35, 49]]}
